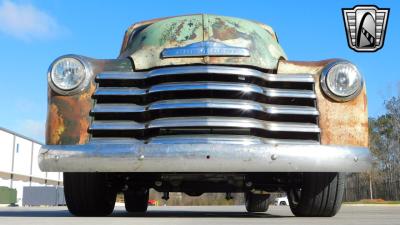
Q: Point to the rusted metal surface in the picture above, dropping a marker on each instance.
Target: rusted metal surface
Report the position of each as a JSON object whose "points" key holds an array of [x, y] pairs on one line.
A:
{"points": [[146, 46], [341, 123], [68, 115], [264, 49]]}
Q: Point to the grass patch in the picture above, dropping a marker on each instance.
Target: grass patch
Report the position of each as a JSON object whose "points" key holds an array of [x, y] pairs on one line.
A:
{"points": [[373, 201]]}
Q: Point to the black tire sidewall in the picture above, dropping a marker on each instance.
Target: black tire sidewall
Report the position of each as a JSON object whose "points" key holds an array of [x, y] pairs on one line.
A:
{"points": [[136, 200], [88, 194], [256, 202], [321, 195]]}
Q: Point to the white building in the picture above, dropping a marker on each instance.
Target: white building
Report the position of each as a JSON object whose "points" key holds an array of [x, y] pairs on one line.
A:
{"points": [[19, 164]]}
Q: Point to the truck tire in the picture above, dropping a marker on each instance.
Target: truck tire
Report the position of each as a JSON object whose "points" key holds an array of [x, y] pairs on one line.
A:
{"points": [[256, 202], [320, 195], [136, 200], [88, 194]]}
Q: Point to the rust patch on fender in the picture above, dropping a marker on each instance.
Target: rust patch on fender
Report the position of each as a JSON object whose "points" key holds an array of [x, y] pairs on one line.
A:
{"points": [[341, 123], [55, 125], [73, 112]]}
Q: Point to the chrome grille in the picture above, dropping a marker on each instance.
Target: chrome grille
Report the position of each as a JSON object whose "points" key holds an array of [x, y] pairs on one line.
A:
{"points": [[196, 104]]}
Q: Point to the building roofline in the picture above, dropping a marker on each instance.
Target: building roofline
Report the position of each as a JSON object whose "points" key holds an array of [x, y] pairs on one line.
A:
{"points": [[21, 136]]}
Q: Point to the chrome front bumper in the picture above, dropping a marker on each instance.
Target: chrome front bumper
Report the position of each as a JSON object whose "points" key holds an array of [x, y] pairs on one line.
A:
{"points": [[128, 157]]}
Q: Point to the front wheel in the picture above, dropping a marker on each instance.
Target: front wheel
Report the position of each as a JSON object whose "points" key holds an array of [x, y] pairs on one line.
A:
{"points": [[256, 202], [88, 194], [319, 195]]}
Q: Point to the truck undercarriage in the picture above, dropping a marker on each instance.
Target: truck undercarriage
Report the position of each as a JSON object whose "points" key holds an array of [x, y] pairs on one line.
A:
{"points": [[306, 197]]}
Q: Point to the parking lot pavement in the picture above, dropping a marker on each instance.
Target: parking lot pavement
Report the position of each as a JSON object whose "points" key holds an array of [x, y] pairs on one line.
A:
{"points": [[188, 215]]}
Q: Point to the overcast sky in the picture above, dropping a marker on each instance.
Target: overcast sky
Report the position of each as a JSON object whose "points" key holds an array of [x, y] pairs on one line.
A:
{"points": [[33, 33]]}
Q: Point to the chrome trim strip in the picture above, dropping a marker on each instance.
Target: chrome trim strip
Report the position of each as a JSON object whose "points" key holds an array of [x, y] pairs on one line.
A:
{"points": [[203, 158], [115, 140], [212, 86], [204, 139], [205, 48], [204, 121], [118, 91], [243, 105], [116, 125], [118, 108], [220, 70]]}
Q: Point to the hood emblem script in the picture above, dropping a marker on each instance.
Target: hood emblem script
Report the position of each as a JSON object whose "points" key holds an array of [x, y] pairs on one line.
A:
{"points": [[205, 48]]}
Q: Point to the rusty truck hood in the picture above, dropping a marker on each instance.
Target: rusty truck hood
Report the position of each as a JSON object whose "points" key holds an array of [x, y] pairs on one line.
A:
{"points": [[145, 42]]}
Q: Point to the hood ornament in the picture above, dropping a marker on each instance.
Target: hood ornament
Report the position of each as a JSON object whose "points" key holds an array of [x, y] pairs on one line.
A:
{"points": [[205, 48]]}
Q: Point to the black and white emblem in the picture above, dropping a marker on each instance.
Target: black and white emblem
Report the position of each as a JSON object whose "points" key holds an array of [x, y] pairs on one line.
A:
{"points": [[365, 27]]}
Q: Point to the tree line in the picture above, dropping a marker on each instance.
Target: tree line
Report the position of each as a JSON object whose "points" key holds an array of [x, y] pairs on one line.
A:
{"points": [[383, 181]]}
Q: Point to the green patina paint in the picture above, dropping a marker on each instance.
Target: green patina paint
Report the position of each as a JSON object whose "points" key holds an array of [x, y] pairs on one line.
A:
{"points": [[169, 32], [145, 48], [124, 65]]}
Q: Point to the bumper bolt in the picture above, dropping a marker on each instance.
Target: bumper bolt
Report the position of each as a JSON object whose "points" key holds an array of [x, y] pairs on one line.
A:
{"points": [[274, 157]]}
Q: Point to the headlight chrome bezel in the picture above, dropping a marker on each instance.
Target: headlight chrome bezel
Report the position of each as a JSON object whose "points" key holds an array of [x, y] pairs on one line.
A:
{"points": [[81, 86], [329, 92]]}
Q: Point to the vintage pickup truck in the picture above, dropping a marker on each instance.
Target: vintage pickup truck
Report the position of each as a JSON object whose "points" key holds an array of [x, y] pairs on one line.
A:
{"points": [[204, 103]]}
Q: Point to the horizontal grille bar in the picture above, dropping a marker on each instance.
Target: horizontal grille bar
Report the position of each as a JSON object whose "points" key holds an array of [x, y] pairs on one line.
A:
{"points": [[211, 122], [215, 70], [203, 139], [242, 105], [206, 86]]}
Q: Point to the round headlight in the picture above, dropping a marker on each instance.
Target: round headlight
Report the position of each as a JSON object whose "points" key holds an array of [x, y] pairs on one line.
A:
{"points": [[67, 74], [341, 81]]}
